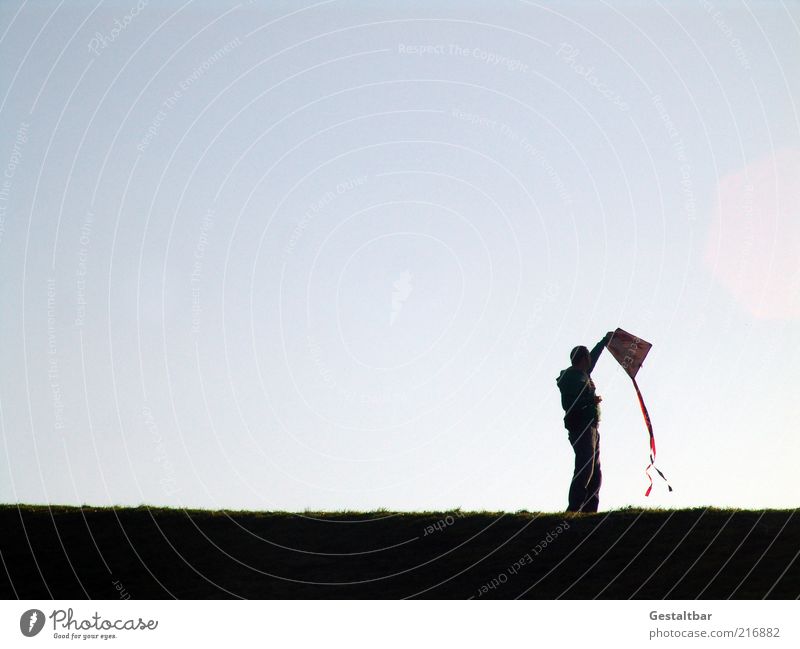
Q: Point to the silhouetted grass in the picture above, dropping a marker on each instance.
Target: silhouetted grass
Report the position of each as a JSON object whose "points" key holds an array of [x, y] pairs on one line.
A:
{"points": [[157, 552]]}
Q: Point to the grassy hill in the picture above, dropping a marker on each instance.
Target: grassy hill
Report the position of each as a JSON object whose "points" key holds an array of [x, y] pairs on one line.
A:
{"points": [[141, 553]]}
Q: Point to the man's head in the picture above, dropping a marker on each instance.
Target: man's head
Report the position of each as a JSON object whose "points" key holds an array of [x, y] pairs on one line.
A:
{"points": [[580, 358]]}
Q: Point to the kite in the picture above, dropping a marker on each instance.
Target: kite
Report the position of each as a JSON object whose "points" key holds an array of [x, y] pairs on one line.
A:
{"points": [[630, 352]]}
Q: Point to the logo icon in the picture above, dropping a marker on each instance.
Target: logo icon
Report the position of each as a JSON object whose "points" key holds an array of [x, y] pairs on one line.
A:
{"points": [[31, 622]]}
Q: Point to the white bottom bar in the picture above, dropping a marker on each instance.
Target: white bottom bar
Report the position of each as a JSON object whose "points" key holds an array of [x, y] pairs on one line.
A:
{"points": [[355, 624]]}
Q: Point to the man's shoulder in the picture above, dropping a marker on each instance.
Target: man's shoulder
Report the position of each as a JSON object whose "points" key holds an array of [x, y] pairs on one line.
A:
{"points": [[571, 375]]}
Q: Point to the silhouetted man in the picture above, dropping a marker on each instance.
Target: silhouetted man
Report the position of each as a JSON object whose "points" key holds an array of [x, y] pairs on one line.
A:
{"points": [[581, 405]]}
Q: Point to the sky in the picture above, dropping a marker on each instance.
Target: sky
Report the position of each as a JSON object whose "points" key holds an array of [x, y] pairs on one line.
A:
{"points": [[333, 255]]}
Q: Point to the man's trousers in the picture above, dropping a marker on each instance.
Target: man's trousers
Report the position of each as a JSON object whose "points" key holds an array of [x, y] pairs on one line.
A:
{"points": [[584, 490]]}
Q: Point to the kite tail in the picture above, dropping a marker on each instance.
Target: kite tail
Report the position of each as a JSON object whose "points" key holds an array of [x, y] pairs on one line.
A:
{"points": [[652, 443]]}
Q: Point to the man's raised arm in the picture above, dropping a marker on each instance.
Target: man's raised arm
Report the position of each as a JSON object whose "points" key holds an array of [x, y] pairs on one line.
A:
{"points": [[594, 355]]}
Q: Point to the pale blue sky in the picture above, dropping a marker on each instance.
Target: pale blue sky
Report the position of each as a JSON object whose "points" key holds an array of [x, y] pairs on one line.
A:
{"points": [[333, 255]]}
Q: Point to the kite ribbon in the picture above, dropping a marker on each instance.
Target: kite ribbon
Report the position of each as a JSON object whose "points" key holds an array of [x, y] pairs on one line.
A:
{"points": [[652, 441]]}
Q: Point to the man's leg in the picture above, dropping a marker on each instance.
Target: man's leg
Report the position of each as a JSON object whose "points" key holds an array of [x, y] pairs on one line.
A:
{"points": [[582, 441], [593, 489]]}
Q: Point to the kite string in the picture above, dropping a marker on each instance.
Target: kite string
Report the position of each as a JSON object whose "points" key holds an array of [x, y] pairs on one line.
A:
{"points": [[652, 441]]}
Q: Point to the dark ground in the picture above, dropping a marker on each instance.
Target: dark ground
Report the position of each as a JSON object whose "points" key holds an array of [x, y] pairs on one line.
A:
{"points": [[65, 552]]}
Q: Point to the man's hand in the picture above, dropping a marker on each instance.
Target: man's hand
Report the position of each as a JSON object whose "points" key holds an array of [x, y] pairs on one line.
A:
{"points": [[608, 337]]}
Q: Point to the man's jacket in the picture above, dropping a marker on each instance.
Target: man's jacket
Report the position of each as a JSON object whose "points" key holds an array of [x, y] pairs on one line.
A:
{"points": [[578, 396]]}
